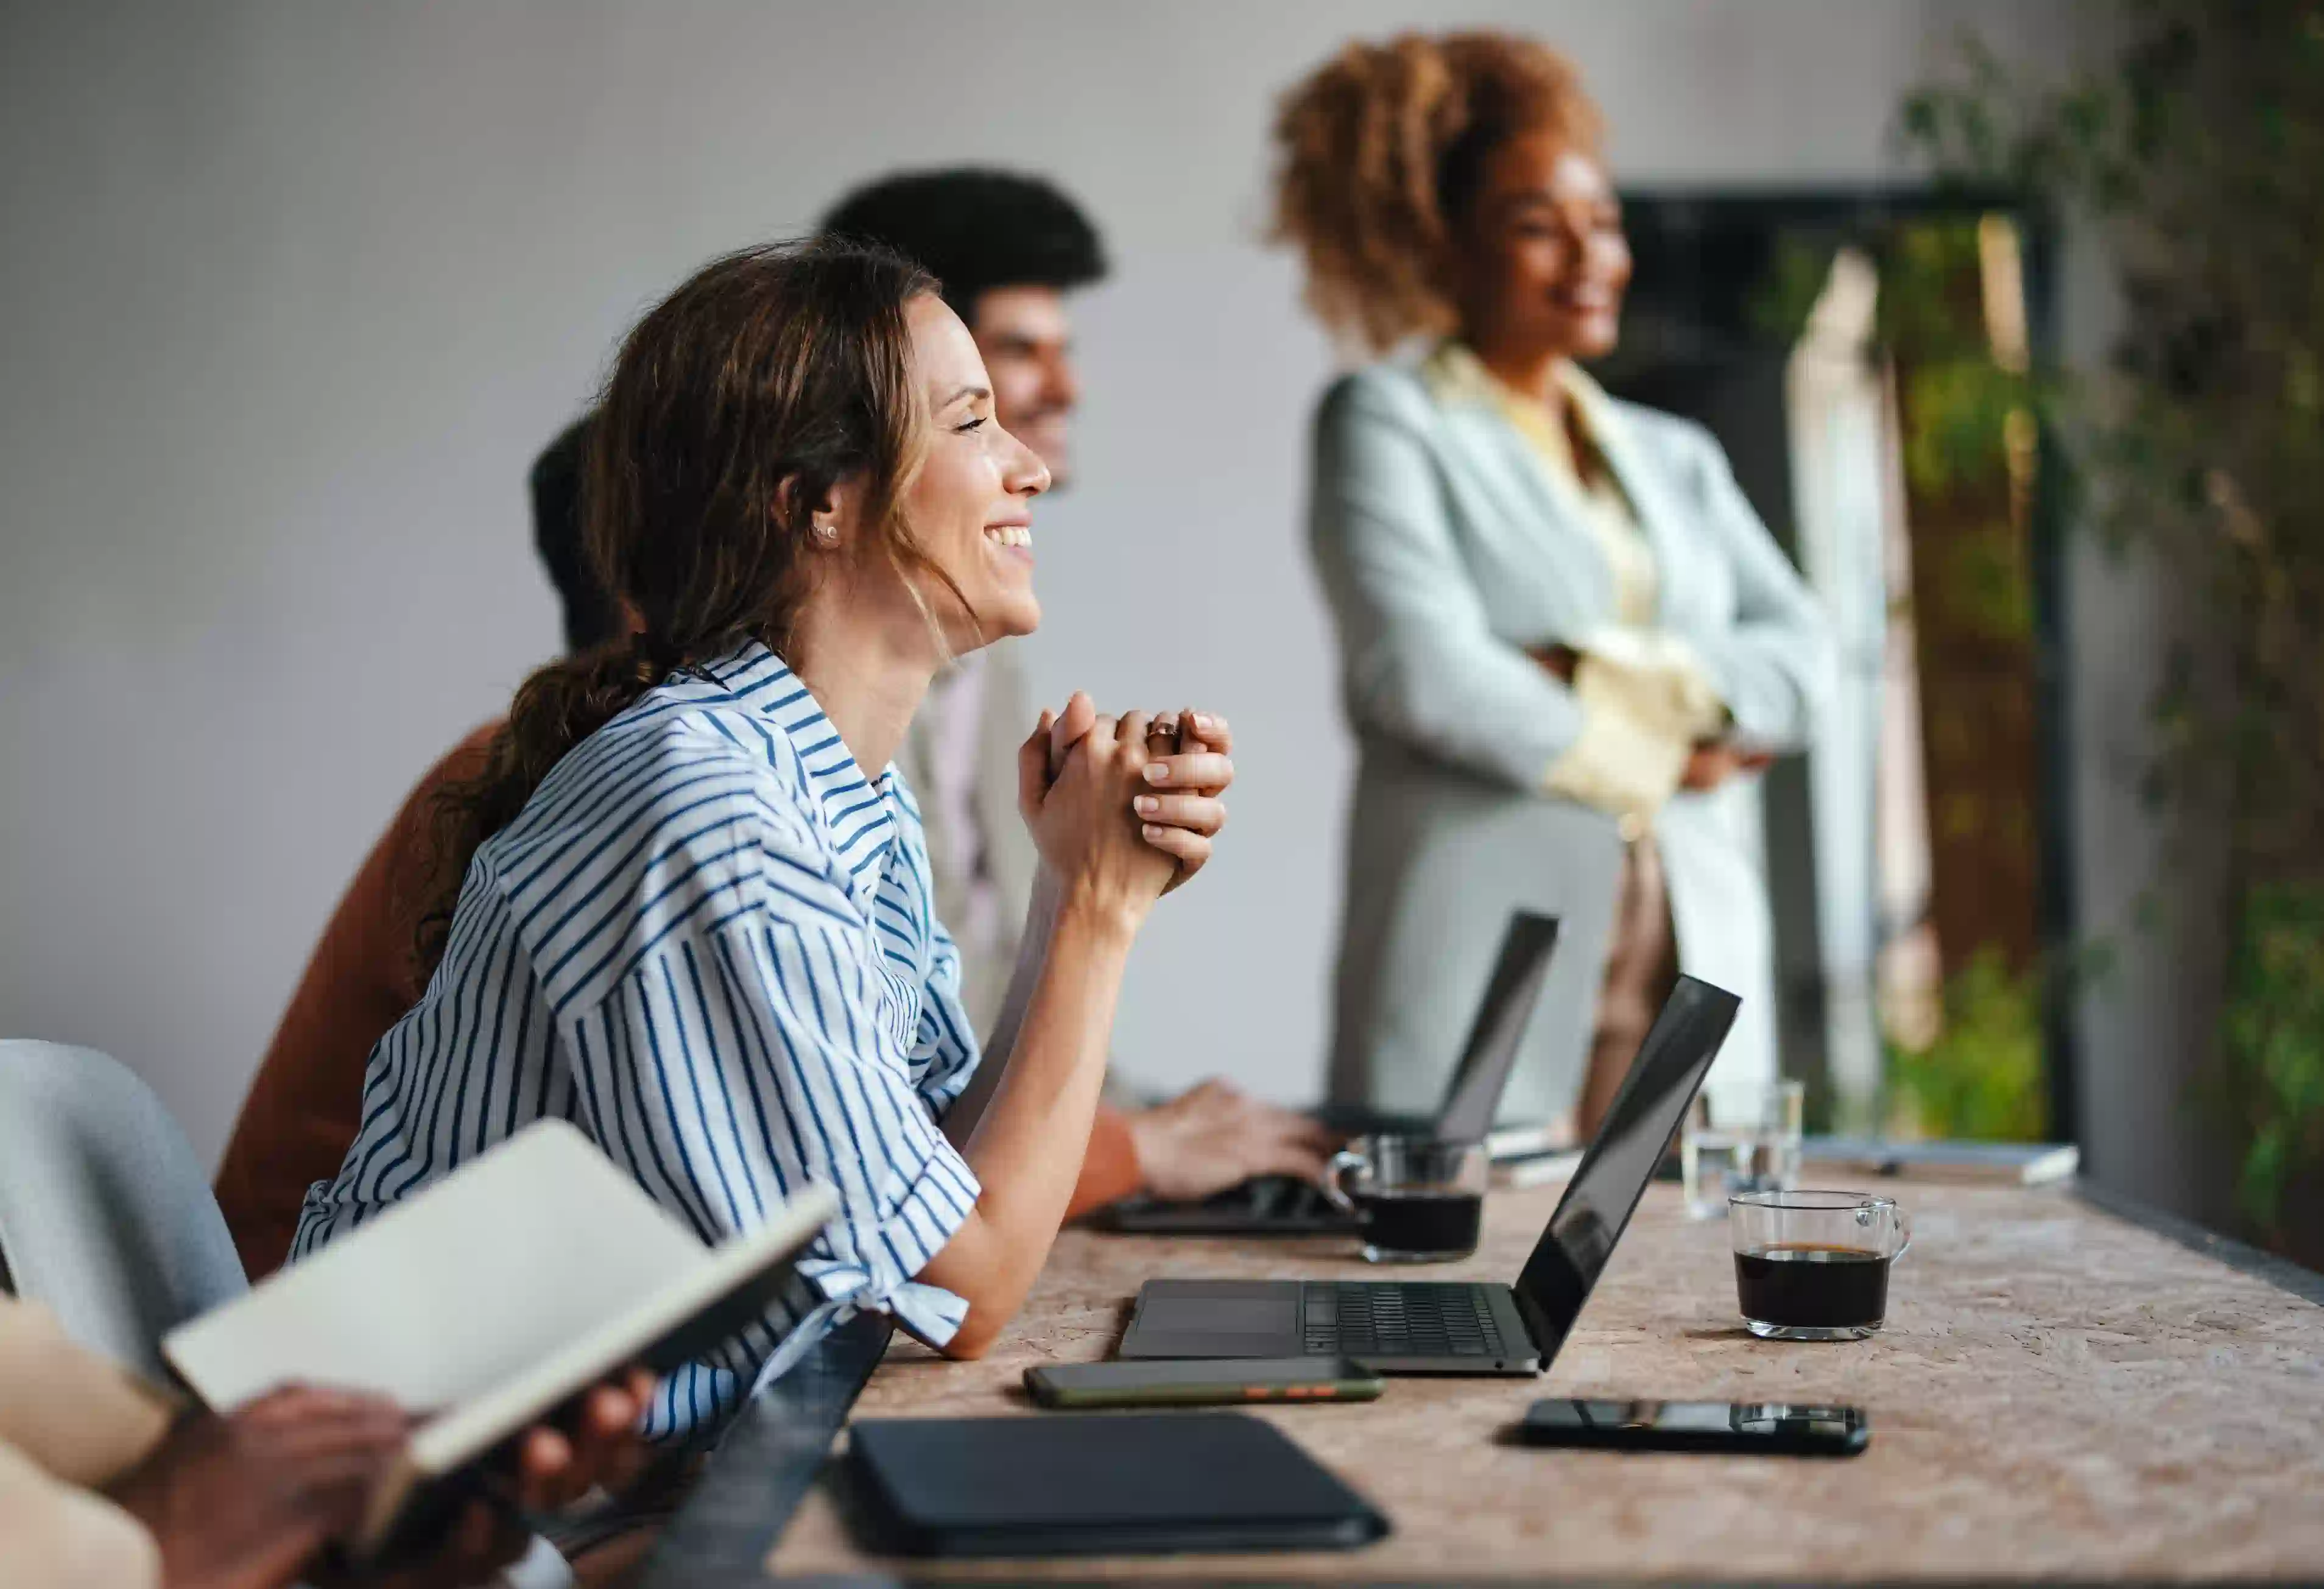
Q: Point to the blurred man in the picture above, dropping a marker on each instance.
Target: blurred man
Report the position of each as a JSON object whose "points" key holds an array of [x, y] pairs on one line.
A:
{"points": [[1009, 249]]}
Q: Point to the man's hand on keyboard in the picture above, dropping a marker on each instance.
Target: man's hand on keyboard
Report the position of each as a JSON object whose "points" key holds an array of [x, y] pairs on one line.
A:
{"points": [[1208, 1140]]}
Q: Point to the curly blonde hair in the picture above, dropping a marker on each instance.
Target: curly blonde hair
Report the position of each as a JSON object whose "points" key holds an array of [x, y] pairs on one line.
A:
{"points": [[1379, 152]]}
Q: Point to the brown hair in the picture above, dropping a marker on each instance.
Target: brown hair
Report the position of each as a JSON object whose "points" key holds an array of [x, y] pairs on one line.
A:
{"points": [[1380, 153], [768, 377]]}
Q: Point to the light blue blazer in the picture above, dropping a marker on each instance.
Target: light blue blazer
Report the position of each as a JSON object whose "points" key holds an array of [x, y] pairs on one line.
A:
{"points": [[1446, 553]]}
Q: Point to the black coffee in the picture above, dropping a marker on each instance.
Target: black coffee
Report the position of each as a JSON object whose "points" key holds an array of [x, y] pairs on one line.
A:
{"points": [[1422, 1221], [1806, 1287]]}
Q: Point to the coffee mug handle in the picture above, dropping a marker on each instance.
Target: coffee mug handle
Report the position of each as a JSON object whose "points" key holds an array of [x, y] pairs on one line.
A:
{"points": [[1342, 1162], [1903, 1229]]}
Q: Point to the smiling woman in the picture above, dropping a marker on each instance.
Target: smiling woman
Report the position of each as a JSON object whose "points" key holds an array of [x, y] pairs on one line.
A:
{"points": [[1567, 643], [972, 492], [695, 915]]}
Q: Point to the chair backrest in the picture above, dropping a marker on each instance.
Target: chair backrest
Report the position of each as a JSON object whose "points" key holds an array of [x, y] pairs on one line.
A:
{"points": [[105, 1215]]}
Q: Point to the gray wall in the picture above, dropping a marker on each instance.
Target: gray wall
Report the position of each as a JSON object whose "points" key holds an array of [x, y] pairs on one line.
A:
{"points": [[294, 293]]}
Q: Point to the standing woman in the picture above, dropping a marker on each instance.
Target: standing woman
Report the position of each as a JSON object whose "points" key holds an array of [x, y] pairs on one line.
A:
{"points": [[1567, 643], [695, 916]]}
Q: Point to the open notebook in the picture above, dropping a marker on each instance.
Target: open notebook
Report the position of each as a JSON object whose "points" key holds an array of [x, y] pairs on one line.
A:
{"points": [[490, 1298]]}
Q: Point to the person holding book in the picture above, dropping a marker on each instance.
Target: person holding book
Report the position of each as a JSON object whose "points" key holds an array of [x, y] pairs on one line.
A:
{"points": [[107, 1483], [695, 910]]}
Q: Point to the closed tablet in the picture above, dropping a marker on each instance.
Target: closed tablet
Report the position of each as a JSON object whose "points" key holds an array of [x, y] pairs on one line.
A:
{"points": [[1099, 1484]]}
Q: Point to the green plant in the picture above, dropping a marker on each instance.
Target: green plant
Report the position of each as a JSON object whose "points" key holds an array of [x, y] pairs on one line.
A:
{"points": [[1981, 1077], [2197, 156], [2275, 1029]]}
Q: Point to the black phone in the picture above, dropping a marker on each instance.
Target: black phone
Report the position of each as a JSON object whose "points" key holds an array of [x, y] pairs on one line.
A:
{"points": [[1773, 1428], [1211, 1382]]}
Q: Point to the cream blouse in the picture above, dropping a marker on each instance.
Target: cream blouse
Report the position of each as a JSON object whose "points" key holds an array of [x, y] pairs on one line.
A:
{"points": [[1646, 701]]}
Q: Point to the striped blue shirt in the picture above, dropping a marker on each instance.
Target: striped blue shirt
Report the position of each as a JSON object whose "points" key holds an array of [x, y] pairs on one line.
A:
{"points": [[707, 940]]}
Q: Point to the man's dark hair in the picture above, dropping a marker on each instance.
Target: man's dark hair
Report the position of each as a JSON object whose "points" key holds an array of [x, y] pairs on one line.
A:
{"points": [[975, 229], [592, 616]]}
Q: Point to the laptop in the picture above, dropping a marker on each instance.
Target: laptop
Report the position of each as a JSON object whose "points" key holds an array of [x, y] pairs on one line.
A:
{"points": [[1287, 1205], [1471, 1327]]}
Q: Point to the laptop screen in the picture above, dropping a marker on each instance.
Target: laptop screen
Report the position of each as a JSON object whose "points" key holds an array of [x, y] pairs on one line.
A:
{"points": [[1502, 1016], [1598, 1202]]}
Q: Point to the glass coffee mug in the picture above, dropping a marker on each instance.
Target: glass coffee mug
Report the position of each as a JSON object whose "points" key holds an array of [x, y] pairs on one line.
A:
{"points": [[1814, 1266], [1419, 1200]]}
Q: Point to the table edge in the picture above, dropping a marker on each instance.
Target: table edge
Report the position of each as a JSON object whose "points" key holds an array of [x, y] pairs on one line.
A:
{"points": [[764, 1464], [2282, 1273]]}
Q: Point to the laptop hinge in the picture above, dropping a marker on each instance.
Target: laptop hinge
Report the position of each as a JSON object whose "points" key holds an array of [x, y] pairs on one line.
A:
{"points": [[1546, 1337]]}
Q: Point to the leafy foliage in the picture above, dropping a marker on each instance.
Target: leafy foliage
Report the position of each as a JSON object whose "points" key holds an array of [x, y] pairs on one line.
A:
{"points": [[2275, 1031], [2199, 158], [1981, 1079]]}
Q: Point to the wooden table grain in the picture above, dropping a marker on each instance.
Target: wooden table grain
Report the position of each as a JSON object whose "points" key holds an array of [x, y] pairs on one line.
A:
{"points": [[2059, 1392]]}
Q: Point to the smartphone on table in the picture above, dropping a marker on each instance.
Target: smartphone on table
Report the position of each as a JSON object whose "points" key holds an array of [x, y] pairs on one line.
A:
{"points": [[1771, 1428], [1211, 1382]]}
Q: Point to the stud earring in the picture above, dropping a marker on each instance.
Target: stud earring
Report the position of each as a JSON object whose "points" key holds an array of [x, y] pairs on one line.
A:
{"points": [[827, 532]]}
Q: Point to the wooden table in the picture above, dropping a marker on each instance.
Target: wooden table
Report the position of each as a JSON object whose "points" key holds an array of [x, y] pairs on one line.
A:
{"points": [[2060, 1392]]}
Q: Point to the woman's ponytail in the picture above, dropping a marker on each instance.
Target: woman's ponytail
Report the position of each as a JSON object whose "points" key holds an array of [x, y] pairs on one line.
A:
{"points": [[554, 709]]}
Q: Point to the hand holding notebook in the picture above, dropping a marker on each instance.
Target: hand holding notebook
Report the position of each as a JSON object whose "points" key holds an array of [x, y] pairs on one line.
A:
{"points": [[491, 1299]]}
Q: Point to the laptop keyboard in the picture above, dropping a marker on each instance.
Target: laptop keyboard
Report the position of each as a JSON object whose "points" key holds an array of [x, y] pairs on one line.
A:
{"points": [[1400, 1318]]}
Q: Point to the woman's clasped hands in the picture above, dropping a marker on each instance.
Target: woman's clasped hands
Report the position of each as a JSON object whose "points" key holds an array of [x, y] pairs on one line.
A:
{"points": [[1124, 810]]}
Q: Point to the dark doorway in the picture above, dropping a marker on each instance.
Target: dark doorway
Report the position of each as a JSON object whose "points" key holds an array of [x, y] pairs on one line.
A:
{"points": [[1864, 358]]}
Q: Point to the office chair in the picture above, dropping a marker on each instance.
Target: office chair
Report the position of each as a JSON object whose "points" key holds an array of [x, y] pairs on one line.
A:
{"points": [[105, 1215]]}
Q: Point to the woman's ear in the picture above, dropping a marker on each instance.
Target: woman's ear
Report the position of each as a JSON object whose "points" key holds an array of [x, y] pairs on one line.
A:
{"points": [[831, 519]]}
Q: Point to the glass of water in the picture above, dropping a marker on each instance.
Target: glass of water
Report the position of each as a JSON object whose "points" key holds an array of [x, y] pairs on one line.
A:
{"points": [[1741, 1142]]}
